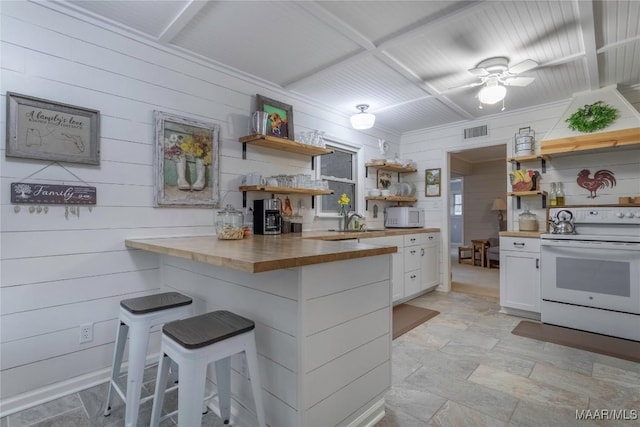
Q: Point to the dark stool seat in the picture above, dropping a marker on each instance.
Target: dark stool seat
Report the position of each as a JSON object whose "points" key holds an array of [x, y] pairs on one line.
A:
{"points": [[206, 329], [156, 302]]}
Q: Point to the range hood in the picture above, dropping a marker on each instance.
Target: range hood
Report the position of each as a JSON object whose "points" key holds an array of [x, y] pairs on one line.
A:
{"points": [[624, 131]]}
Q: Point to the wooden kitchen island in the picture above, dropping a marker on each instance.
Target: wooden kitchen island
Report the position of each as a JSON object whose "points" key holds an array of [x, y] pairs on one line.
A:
{"points": [[323, 320]]}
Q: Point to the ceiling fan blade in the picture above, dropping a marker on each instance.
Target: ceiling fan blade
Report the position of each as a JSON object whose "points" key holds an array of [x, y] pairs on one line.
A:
{"points": [[523, 66], [519, 81], [479, 72]]}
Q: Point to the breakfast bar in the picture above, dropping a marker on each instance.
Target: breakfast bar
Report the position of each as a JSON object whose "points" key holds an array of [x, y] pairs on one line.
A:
{"points": [[323, 320]]}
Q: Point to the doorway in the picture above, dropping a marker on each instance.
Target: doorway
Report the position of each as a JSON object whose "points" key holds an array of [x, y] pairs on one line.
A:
{"points": [[476, 178]]}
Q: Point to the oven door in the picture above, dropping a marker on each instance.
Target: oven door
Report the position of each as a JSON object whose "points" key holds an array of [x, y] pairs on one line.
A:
{"points": [[596, 274]]}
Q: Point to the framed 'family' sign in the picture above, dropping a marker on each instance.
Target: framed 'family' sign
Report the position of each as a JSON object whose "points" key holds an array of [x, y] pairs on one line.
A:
{"points": [[48, 130]]}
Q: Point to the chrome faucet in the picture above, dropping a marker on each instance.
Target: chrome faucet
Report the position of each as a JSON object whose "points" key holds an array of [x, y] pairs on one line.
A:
{"points": [[348, 218]]}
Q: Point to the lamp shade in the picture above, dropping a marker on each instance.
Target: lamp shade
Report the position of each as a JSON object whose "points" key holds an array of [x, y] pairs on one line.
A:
{"points": [[362, 120], [492, 94], [499, 205]]}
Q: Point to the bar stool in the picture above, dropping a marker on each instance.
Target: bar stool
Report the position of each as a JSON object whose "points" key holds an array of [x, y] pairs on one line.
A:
{"points": [[139, 315], [193, 344]]}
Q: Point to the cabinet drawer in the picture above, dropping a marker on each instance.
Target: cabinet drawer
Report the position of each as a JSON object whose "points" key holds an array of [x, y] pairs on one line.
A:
{"points": [[432, 240], [412, 282], [384, 241], [415, 239], [413, 257], [520, 244]]}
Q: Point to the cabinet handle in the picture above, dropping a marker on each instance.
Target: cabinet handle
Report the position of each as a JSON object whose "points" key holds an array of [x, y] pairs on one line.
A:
{"points": [[422, 251], [430, 237], [519, 245], [412, 239], [413, 276], [537, 263], [413, 252]]}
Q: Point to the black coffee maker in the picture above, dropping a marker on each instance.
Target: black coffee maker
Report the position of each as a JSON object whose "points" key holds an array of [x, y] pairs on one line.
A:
{"points": [[266, 216]]}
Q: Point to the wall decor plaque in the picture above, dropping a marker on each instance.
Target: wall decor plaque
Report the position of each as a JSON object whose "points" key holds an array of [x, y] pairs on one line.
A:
{"points": [[24, 192], [48, 130], [187, 165]]}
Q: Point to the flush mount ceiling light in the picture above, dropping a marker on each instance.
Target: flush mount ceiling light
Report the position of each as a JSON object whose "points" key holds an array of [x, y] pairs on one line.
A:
{"points": [[362, 120], [493, 92]]}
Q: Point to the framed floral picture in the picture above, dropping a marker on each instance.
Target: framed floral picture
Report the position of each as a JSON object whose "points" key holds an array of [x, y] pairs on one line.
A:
{"points": [[432, 182], [187, 162], [279, 117]]}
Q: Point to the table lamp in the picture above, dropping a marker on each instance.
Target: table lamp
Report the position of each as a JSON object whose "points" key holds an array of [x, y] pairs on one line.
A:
{"points": [[499, 205]]}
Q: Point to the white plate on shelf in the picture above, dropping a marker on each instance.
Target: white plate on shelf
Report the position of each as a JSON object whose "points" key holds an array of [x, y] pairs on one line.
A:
{"points": [[395, 189]]}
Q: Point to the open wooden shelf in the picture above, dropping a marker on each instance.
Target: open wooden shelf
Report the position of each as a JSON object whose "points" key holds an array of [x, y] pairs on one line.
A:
{"points": [[527, 193], [394, 167], [529, 158], [589, 142], [393, 198], [284, 145], [285, 190]]}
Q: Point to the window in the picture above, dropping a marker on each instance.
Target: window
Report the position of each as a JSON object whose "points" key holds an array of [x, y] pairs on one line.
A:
{"points": [[340, 170], [457, 204]]}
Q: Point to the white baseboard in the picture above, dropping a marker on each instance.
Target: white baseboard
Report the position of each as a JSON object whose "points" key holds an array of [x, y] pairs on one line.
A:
{"points": [[51, 392], [371, 416], [60, 389]]}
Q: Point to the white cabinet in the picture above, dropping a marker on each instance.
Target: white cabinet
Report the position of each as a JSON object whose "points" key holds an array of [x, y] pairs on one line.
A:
{"points": [[520, 276], [431, 262], [416, 265], [397, 262]]}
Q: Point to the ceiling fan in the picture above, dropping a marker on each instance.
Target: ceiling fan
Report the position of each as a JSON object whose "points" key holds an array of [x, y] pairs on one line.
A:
{"points": [[495, 74]]}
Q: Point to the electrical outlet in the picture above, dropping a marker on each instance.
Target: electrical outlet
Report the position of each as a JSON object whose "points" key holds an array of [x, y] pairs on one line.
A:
{"points": [[86, 333]]}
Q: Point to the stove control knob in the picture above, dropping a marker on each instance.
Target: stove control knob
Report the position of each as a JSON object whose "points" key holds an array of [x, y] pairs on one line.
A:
{"points": [[620, 214]]}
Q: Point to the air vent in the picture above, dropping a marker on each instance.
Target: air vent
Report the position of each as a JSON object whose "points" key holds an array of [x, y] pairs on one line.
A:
{"points": [[476, 132]]}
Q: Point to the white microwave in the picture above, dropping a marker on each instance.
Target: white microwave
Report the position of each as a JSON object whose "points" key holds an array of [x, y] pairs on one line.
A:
{"points": [[404, 217]]}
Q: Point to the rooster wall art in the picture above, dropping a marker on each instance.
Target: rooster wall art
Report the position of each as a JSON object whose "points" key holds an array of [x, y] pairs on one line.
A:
{"points": [[601, 179]]}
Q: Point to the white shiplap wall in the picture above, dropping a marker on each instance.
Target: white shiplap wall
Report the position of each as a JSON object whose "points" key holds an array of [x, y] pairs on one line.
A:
{"points": [[430, 149], [59, 271]]}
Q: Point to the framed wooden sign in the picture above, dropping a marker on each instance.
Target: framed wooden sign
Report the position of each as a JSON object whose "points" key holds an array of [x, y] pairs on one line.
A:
{"points": [[48, 130], [432, 182], [24, 192]]}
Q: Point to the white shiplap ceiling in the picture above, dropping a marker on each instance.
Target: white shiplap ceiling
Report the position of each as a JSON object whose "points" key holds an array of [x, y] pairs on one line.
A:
{"points": [[400, 57]]}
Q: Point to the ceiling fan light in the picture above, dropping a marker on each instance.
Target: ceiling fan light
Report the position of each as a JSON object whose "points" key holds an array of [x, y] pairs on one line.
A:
{"points": [[492, 94], [362, 120]]}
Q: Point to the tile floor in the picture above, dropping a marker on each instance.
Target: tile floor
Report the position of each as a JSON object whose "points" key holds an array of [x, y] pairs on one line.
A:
{"points": [[461, 368]]}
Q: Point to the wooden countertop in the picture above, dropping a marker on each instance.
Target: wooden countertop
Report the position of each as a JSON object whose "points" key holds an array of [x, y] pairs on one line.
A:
{"points": [[534, 234], [266, 253], [260, 253]]}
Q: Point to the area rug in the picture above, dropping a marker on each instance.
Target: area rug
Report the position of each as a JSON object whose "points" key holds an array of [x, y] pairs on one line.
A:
{"points": [[407, 316], [596, 343]]}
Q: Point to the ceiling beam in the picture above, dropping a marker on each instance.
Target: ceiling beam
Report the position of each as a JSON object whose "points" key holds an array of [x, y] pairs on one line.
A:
{"points": [[424, 86], [181, 20], [445, 16], [587, 24], [618, 43]]}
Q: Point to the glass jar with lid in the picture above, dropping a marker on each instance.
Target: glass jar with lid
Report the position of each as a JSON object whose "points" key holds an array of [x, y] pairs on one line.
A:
{"points": [[527, 221], [230, 224]]}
